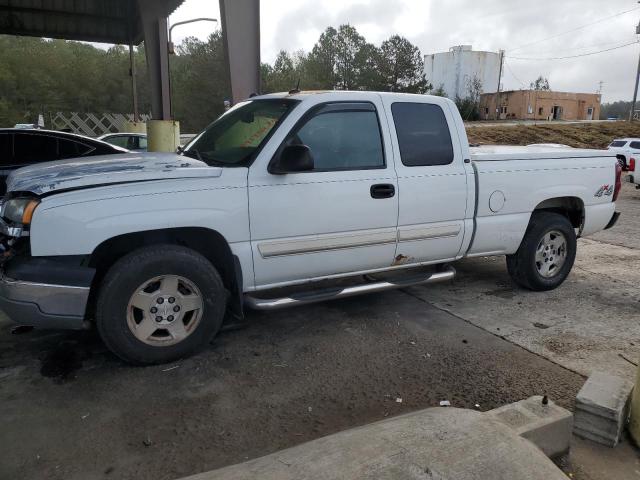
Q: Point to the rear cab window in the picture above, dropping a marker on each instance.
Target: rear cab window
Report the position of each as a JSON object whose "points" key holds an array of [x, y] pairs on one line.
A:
{"points": [[618, 143], [423, 134], [635, 145]]}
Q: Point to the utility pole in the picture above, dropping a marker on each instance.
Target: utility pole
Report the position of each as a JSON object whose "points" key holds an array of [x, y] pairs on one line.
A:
{"points": [[635, 91], [501, 52]]}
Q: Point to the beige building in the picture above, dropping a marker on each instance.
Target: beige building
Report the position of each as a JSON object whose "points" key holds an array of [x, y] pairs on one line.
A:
{"points": [[539, 105]]}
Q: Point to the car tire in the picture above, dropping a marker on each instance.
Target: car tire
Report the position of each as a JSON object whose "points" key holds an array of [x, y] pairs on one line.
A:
{"points": [[547, 252], [158, 304]]}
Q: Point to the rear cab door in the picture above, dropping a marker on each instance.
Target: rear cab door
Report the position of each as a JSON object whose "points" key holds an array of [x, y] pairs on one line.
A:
{"points": [[435, 184]]}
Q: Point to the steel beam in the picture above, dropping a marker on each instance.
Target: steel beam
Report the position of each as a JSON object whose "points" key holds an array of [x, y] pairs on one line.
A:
{"points": [[241, 34], [154, 16]]}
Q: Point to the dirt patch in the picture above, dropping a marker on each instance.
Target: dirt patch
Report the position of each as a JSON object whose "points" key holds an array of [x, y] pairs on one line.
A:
{"points": [[588, 135]]}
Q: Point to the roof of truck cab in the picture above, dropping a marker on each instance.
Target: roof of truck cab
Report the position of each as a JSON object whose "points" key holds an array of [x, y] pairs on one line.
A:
{"points": [[301, 95], [519, 152]]}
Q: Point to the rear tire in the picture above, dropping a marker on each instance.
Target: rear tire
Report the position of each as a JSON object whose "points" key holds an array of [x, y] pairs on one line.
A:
{"points": [[546, 254], [160, 303]]}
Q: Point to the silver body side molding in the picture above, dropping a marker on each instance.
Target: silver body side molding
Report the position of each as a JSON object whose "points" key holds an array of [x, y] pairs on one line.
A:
{"points": [[296, 299]]}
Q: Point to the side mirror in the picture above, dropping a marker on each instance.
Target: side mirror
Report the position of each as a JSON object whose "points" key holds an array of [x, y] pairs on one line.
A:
{"points": [[292, 159]]}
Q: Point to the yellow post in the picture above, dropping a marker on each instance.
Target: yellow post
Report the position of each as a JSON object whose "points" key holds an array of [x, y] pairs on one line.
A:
{"points": [[634, 423], [135, 127], [163, 135]]}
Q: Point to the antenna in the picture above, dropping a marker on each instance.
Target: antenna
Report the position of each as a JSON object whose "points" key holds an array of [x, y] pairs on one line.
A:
{"points": [[297, 89]]}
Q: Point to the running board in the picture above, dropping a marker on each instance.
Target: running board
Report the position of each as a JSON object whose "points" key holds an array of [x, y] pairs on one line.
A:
{"points": [[303, 298]]}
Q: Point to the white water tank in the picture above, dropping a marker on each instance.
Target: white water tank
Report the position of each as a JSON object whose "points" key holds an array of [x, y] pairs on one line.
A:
{"points": [[455, 69]]}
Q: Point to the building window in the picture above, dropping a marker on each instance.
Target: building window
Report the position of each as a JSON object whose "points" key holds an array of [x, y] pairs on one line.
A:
{"points": [[503, 109], [540, 110], [530, 110], [486, 110]]}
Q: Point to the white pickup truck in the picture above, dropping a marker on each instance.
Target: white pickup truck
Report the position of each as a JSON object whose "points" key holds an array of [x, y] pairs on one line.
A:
{"points": [[283, 190]]}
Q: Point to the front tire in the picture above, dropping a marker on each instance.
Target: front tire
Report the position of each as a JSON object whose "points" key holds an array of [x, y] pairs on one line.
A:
{"points": [[158, 304], [546, 254]]}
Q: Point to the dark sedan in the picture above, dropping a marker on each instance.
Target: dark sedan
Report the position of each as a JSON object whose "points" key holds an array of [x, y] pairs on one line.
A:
{"points": [[22, 147]]}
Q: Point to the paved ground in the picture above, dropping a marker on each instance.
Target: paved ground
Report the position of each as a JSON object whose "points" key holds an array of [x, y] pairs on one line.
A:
{"points": [[288, 378], [591, 322], [72, 411]]}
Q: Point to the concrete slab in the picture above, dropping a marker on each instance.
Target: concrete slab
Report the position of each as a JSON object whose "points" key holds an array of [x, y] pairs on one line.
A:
{"points": [[604, 395], [546, 426], [602, 407], [431, 444]]}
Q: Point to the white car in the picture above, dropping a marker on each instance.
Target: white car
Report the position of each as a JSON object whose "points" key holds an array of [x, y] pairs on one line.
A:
{"points": [[136, 142], [283, 190], [625, 148]]}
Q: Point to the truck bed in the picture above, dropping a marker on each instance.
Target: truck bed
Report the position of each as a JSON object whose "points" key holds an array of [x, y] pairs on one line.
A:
{"points": [[513, 181], [494, 153]]}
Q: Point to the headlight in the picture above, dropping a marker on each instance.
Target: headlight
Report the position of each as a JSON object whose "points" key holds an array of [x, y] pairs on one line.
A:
{"points": [[19, 210]]}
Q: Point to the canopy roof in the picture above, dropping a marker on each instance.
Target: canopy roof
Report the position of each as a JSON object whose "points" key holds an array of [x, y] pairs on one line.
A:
{"points": [[107, 21]]}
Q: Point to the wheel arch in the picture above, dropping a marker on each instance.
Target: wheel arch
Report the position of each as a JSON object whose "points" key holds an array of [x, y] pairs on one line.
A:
{"points": [[209, 243], [570, 207]]}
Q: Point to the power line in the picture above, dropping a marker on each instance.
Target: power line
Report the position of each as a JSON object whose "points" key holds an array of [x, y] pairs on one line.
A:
{"points": [[583, 47], [576, 56], [514, 75], [575, 29]]}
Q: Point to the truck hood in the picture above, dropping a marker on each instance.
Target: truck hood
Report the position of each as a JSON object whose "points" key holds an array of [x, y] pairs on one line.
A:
{"points": [[106, 170]]}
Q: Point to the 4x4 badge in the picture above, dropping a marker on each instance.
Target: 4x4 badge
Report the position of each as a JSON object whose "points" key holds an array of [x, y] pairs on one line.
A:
{"points": [[604, 190]]}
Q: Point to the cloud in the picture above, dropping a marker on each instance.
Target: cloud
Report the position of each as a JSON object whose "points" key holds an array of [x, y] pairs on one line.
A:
{"points": [[436, 25]]}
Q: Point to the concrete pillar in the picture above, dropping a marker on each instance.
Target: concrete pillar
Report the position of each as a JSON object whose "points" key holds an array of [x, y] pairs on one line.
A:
{"points": [[634, 422], [162, 131], [154, 14], [241, 34]]}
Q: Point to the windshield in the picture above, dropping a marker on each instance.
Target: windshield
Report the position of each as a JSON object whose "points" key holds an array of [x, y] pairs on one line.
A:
{"points": [[618, 143], [238, 134]]}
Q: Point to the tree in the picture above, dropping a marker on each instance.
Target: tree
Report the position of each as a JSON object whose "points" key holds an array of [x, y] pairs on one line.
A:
{"points": [[200, 82], [469, 106], [321, 65], [349, 44], [439, 92], [541, 83], [402, 67]]}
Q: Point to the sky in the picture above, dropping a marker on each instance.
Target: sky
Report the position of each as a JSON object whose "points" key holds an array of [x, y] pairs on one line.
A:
{"points": [[530, 32]]}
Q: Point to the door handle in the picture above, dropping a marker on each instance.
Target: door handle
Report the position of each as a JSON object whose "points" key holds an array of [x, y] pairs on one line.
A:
{"points": [[383, 190]]}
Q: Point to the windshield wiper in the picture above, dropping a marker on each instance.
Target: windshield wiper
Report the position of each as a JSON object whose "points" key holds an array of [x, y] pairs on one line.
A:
{"points": [[190, 152]]}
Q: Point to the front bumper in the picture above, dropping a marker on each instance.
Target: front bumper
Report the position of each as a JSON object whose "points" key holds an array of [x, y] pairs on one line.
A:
{"points": [[44, 293]]}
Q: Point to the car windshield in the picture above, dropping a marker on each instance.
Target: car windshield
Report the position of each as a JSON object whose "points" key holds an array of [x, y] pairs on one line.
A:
{"points": [[239, 133], [617, 143]]}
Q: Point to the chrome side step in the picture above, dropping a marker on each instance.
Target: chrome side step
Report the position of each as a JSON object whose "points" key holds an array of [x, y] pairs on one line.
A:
{"points": [[303, 298]]}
